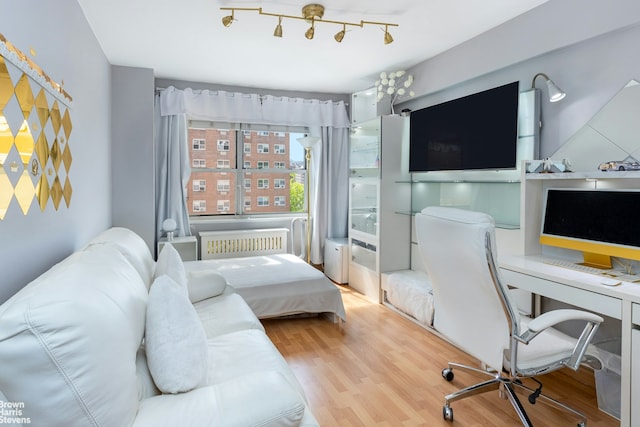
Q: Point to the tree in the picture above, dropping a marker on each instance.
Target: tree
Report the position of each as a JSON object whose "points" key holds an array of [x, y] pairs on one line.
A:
{"points": [[296, 198]]}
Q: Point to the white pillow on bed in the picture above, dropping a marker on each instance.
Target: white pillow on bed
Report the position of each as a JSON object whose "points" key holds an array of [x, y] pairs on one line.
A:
{"points": [[205, 284], [170, 263], [175, 340]]}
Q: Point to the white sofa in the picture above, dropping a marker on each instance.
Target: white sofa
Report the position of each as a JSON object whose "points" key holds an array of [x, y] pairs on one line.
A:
{"points": [[73, 351]]}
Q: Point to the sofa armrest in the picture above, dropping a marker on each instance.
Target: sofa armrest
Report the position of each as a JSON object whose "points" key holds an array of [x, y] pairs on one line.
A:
{"points": [[260, 399]]}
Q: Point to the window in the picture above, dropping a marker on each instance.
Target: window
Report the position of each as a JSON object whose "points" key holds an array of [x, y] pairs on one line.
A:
{"points": [[199, 206], [223, 145], [238, 184], [199, 144], [199, 185], [223, 205]]}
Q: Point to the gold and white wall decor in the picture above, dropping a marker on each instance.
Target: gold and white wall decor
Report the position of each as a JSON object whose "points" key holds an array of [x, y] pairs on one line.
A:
{"points": [[35, 125]]}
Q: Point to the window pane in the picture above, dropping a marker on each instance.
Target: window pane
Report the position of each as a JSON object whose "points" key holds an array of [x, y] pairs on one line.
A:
{"points": [[270, 174]]}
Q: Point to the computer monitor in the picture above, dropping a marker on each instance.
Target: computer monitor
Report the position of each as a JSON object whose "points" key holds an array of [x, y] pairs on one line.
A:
{"points": [[600, 223]]}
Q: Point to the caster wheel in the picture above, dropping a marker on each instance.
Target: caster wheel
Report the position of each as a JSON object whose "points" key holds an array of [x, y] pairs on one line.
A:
{"points": [[447, 374], [447, 413], [582, 424]]}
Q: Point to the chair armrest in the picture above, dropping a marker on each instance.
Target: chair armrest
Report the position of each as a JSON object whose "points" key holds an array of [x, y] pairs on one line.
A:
{"points": [[264, 398], [551, 318]]}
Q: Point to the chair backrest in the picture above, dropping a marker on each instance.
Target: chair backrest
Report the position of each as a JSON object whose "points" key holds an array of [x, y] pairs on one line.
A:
{"points": [[472, 307]]}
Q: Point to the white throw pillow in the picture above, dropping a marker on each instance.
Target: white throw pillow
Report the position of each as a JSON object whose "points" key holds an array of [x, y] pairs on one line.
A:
{"points": [[175, 341], [170, 263], [205, 284]]}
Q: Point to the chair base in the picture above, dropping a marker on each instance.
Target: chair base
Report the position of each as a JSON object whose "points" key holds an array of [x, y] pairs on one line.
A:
{"points": [[507, 386]]}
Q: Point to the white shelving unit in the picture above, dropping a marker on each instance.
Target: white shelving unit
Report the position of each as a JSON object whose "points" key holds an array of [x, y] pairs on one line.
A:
{"points": [[378, 235]]}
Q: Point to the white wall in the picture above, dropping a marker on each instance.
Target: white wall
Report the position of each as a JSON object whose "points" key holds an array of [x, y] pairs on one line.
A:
{"points": [[133, 151], [67, 50]]}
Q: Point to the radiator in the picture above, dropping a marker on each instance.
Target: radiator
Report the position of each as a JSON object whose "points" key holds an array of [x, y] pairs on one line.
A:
{"points": [[239, 243]]}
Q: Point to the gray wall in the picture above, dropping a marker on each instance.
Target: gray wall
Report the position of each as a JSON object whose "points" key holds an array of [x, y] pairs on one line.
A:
{"points": [[586, 46], [67, 50], [133, 151]]}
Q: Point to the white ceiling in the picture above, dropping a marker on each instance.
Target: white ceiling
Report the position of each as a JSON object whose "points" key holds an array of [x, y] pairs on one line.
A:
{"points": [[185, 40]]}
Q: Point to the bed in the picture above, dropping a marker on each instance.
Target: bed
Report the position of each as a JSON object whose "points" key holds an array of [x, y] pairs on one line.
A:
{"points": [[277, 285], [409, 292]]}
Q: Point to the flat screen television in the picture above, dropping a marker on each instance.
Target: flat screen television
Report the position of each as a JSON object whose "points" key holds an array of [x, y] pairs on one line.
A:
{"points": [[600, 223], [478, 131]]}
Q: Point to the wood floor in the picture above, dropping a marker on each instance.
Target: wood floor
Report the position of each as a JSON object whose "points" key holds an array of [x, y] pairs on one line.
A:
{"points": [[380, 369]]}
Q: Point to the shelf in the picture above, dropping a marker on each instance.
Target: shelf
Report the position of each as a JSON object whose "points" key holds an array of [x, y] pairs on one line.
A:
{"points": [[498, 225], [584, 175], [461, 181]]}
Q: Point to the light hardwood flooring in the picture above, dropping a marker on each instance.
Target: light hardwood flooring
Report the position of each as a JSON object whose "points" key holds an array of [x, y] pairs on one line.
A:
{"points": [[380, 369]]}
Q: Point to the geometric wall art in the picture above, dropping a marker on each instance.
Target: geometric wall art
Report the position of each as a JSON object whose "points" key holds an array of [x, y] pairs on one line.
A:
{"points": [[35, 125]]}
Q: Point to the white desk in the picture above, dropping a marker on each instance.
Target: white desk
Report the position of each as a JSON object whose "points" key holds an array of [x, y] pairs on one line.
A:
{"points": [[584, 290]]}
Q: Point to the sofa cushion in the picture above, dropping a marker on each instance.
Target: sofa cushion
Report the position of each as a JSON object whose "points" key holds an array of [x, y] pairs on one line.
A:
{"points": [[132, 246], [68, 341], [175, 342], [259, 399], [205, 284], [244, 353], [170, 263], [226, 313]]}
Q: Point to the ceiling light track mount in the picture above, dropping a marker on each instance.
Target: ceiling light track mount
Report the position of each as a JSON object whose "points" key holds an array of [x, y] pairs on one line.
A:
{"points": [[312, 13]]}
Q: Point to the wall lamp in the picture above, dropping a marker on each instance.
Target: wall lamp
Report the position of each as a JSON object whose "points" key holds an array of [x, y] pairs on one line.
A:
{"points": [[313, 14], [555, 93]]}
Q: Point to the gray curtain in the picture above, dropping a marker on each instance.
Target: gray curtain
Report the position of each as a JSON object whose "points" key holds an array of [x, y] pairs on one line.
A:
{"points": [[172, 171], [330, 194]]}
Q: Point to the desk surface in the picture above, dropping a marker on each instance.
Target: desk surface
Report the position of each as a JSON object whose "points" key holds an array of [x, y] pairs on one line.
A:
{"points": [[535, 267]]}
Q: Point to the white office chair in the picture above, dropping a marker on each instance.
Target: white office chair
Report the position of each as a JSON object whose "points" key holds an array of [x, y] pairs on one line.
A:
{"points": [[474, 311]]}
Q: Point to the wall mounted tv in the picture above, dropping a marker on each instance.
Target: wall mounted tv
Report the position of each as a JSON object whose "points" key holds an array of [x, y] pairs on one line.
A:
{"points": [[478, 131]]}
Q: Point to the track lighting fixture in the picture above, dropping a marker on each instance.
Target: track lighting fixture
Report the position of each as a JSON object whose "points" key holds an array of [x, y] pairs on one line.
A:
{"points": [[311, 13]]}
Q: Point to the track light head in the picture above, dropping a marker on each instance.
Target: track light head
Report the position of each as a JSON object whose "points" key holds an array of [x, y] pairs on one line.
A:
{"points": [[311, 31], [387, 36], [340, 34], [228, 20], [278, 31]]}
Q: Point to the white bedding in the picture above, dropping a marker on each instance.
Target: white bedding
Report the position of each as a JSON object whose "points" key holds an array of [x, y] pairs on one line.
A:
{"points": [[277, 285], [410, 292]]}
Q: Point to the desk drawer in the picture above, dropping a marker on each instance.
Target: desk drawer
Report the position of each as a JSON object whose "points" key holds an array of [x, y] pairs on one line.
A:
{"points": [[603, 304]]}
